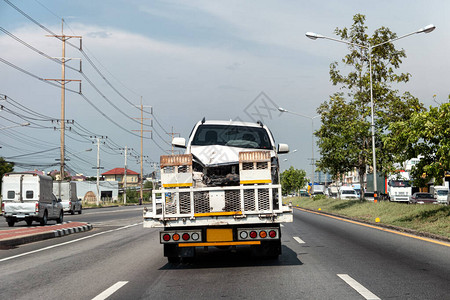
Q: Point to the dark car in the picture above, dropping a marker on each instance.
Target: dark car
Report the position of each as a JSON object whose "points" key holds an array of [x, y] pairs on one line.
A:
{"points": [[423, 198]]}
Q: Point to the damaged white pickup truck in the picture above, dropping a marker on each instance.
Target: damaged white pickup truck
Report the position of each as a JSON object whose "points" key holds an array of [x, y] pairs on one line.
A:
{"points": [[224, 192]]}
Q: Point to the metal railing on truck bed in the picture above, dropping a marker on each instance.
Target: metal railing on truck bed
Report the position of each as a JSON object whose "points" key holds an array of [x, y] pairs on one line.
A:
{"points": [[213, 205]]}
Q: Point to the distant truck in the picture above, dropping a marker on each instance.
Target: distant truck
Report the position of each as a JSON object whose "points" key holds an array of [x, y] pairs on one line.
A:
{"points": [[396, 187], [317, 189], [67, 192], [440, 193], [224, 192], [28, 197]]}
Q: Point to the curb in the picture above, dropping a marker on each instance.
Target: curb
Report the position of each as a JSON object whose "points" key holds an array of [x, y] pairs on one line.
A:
{"points": [[15, 241]]}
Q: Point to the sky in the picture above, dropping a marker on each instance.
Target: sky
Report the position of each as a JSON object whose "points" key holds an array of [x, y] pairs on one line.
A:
{"points": [[186, 60]]}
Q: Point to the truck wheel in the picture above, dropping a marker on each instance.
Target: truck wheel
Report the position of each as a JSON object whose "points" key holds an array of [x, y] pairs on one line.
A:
{"points": [[81, 208], [60, 219], [72, 211], [29, 222], [43, 221], [10, 223]]}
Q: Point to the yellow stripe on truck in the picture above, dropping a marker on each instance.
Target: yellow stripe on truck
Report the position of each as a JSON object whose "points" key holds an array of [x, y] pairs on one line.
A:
{"points": [[176, 184], [256, 181], [213, 244], [215, 214]]}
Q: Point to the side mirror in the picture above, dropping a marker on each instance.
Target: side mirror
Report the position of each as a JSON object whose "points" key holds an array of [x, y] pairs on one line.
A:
{"points": [[59, 200], [179, 142], [283, 148]]}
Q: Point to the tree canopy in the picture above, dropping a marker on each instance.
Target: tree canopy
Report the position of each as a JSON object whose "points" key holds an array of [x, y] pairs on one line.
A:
{"points": [[292, 180], [345, 138], [425, 135], [5, 167]]}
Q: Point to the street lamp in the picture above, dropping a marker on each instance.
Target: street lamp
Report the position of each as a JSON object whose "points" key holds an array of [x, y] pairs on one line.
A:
{"points": [[312, 137], [314, 36], [13, 126]]}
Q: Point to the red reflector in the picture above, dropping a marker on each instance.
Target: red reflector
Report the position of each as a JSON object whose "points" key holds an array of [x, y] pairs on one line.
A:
{"points": [[272, 233], [185, 236], [166, 237], [253, 234], [263, 234], [176, 237]]}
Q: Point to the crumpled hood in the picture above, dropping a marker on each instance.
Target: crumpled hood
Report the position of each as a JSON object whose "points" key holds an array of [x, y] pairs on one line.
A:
{"points": [[220, 155]]}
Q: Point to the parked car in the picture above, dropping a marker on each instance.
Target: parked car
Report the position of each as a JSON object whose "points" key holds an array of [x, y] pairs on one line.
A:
{"points": [[423, 198], [369, 196], [348, 193]]}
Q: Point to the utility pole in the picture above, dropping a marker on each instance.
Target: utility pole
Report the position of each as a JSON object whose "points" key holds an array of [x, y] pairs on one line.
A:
{"points": [[63, 81], [141, 194], [98, 166], [125, 175], [172, 134]]}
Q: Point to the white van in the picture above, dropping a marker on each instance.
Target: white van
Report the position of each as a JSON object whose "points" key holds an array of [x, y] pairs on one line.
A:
{"points": [[347, 192], [67, 192], [29, 197]]}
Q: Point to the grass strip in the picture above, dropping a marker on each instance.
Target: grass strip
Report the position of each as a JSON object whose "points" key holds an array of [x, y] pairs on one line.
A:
{"points": [[434, 219]]}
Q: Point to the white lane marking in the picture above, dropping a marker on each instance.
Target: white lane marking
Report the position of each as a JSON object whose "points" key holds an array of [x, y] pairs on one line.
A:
{"points": [[358, 287], [111, 290], [69, 242], [299, 240]]}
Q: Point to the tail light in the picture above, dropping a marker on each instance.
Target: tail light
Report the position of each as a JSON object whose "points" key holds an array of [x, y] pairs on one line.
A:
{"points": [[3, 207], [188, 236], [37, 207], [185, 236], [245, 234]]}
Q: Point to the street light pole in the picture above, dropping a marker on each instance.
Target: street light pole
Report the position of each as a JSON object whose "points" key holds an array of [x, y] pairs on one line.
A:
{"points": [[314, 36], [312, 138]]}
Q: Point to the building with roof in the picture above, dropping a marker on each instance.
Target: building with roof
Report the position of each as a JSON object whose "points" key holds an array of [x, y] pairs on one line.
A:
{"points": [[118, 174]]}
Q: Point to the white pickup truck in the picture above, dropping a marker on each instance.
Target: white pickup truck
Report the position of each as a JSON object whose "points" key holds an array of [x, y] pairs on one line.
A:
{"points": [[29, 197], [224, 192]]}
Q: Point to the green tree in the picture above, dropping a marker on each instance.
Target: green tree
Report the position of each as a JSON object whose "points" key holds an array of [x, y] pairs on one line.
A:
{"points": [[426, 135], [5, 167], [344, 138], [292, 180]]}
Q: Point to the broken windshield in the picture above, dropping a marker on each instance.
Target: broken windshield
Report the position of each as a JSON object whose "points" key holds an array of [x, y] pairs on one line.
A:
{"points": [[233, 136]]}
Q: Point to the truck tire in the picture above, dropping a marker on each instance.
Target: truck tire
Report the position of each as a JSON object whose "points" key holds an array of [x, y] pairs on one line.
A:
{"points": [[10, 223], [60, 219], [29, 221], [72, 212], [81, 208], [44, 219]]}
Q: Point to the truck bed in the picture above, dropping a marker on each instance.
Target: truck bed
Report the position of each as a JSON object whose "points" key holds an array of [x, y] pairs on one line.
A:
{"points": [[245, 204]]}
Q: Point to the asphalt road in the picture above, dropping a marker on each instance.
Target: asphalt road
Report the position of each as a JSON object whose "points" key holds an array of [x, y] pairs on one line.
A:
{"points": [[323, 258]]}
